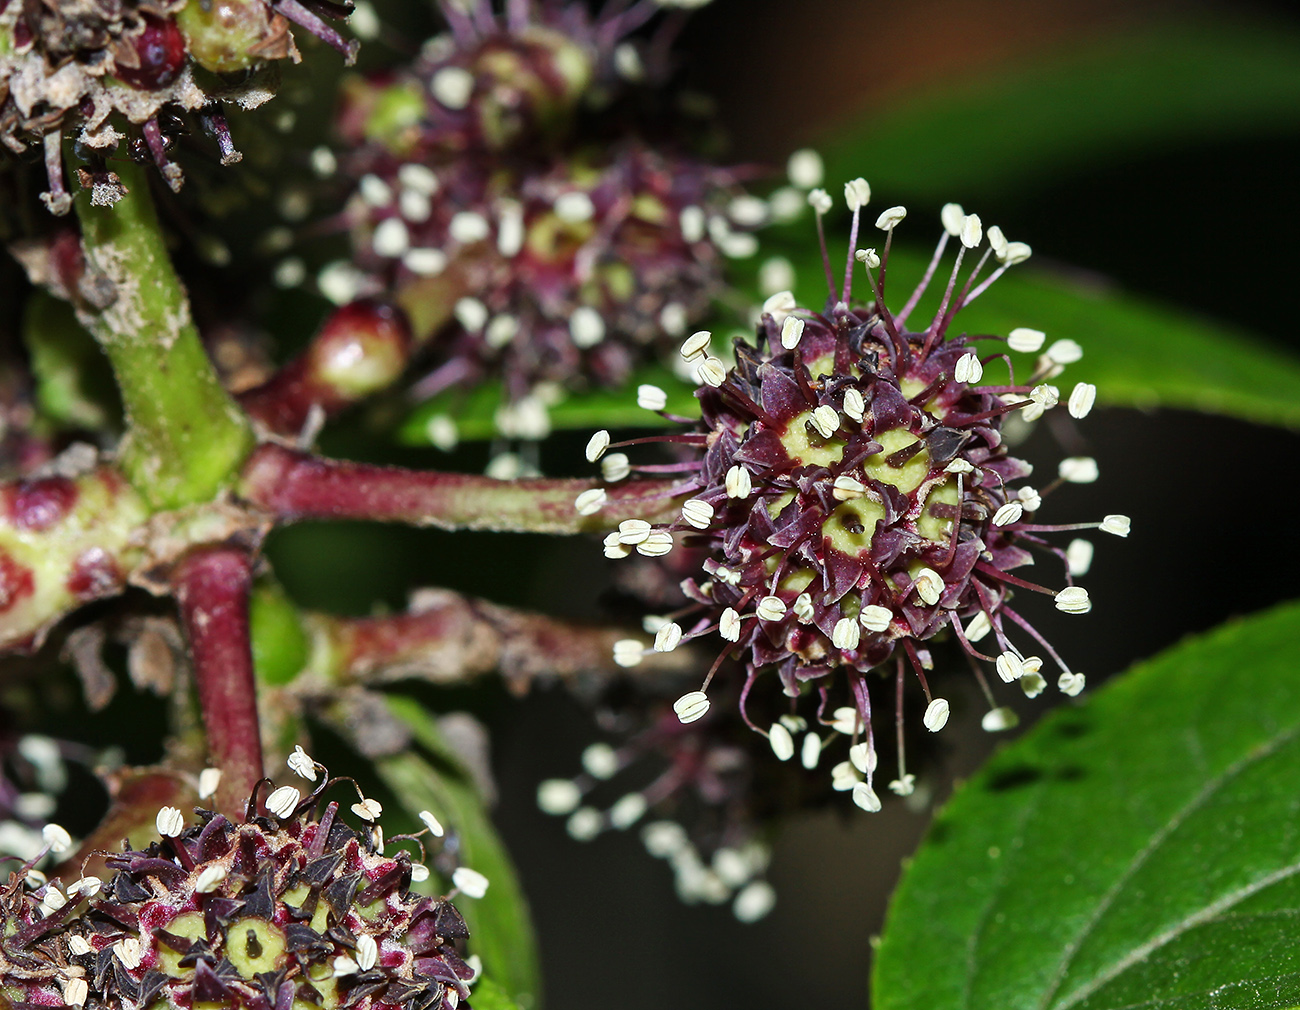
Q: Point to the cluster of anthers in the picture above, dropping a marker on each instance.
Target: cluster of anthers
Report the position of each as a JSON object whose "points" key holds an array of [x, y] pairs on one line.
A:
{"points": [[851, 491], [286, 908]]}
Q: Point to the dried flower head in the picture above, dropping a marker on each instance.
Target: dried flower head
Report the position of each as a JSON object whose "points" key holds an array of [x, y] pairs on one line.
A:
{"points": [[854, 497], [287, 909], [76, 65]]}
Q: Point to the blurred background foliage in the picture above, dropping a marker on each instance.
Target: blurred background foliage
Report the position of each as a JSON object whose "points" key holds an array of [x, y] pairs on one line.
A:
{"points": [[1145, 150]]}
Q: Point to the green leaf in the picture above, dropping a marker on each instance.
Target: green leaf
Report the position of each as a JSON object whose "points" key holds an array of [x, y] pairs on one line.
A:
{"points": [[1075, 107], [1139, 850], [490, 996], [500, 929]]}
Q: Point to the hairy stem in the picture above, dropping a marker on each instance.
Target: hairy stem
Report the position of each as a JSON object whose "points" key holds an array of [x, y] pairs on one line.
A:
{"points": [[212, 587], [185, 436], [297, 485]]}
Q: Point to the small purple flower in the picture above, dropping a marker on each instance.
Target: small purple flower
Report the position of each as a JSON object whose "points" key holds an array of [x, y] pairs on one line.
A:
{"points": [[853, 495]]}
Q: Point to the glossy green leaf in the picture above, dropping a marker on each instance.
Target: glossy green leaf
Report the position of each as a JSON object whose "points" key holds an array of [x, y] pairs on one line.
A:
{"points": [[1079, 105], [1139, 849], [431, 778]]}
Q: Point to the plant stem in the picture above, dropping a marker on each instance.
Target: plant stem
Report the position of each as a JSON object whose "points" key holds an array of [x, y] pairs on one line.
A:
{"points": [[185, 436], [297, 485], [212, 587]]}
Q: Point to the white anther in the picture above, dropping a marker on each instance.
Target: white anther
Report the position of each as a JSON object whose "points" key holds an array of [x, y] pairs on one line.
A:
{"points": [[738, 482], [1117, 525], [283, 801], [810, 752], [775, 274], [590, 501], [344, 966], [85, 887], [846, 634], [1073, 600], [865, 797], [803, 608], [425, 262], [791, 332], [863, 757], [420, 178], [500, 331], [76, 991], [664, 839], [1016, 252], [301, 764], [1030, 499], [586, 327], [52, 900], [854, 406], [367, 952], [820, 201], [779, 305], [692, 223], [615, 548], [805, 168], [929, 586], [711, 371], [959, 465], [511, 232], [558, 797], [170, 822], [754, 901], [904, 786], [691, 706], [1078, 556], [1009, 667], [844, 777], [846, 488], [846, 720], [1078, 469], [875, 618], [597, 444], [952, 217], [868, 258], [997, 241], [1065, 352], [368, 810], [210, 877], [375, 191], [668, 637], [1032, 683], [782, 742], [471, 314], [615, 466], [978, 628], [770, 608], [696, 345], [1082, 397], [633, 531], [1071, 683], [59, 841], [1025, 340], [729, 625], [468, 227], [432, 823], [627, 811], [452, 86], [650, 397], [78, 945], [574, 207], [826, 420], [130, 951], [857, 194], [471, 883], [936, 715], [968, 368], [391, 239], [971, 231], [656, 545], [698, 513], [628, 652], [998, 719], [209, 780], [600, 761], [747, 211], [891, 218]]}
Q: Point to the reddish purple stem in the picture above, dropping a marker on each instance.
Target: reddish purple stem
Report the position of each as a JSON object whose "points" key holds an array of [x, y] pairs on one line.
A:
{"points": [[212, 590], [297, 485]]}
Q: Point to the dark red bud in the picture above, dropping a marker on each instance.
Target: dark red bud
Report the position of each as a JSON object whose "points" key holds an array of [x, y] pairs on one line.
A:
{"points": [[16, 582], [161, 49], [39, 504]]}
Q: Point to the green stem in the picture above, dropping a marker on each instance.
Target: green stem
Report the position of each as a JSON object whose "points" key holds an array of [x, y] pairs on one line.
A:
{"points": [[185, 437]]}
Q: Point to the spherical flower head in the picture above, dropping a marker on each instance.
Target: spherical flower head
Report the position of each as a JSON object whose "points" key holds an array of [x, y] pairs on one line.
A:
{"points": [[859, 500], [287, 908]]}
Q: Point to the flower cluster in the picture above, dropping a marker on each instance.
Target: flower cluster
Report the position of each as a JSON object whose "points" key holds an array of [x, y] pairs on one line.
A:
{"points": [[853, 495], [547, 244], [286, 908], [66, 66]]}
